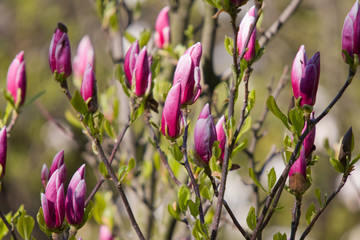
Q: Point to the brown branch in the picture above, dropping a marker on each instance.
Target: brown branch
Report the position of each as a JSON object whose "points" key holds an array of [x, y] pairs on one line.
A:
{"points": [[7, 224], [296, 216]]}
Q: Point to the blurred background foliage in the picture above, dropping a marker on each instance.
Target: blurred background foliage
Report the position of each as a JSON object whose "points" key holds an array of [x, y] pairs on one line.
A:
{"points": [[29, 25]]}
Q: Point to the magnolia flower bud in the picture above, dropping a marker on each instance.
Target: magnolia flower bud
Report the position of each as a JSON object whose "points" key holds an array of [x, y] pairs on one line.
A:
{"points": [[162, 28], [3, 150], [297, 174], [84, 56], [205, 134], [60, 52], [89, 89], [308, 143], [57, 162], [129, 62], [16, 78], [75, 197], [346, 147], [351, 32], [238, 3], [53, 202], [105, 233], [221, 136], [246, 24], [187, 73], [305, 77], [170, 118], [44, 175]]}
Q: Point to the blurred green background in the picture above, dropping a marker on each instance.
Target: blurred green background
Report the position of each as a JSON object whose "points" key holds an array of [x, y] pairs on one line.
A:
{"points": [[29, 25]]}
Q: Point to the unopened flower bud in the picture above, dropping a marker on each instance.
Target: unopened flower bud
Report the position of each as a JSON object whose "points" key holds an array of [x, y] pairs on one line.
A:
{"points": [[89, 89], [45, 174], [162, 28], [308, 143], [58, 161], [85, 55], [130, 61], [142, 73], [221, 136], [60, 52], [3, 150], [170, 119], [351, 32], [246, 24], [16, 78], [205, 134], [75, 197], [305, 77], [105, 233], [346, 147], [238, 3], [297, 174]]}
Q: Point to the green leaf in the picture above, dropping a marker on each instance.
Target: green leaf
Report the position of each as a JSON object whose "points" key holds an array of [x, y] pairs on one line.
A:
{"points": [[254, 178], [34, 98], [9, 98], [176, 152], [129, 37], [271, 179], [73, 120], [205, 193], [251, 219], [318, 196], [198, 230], [355, 160], [229, 45], [103, 170], [251, 100], [122, 172], [216, 151], [183, 196], [279, 236], [78, 103], [109, 129], [310, 213], [131, 164], [337, 165], [174, 213], [194, 208], [144, 37], [240, 147], [41, 221], [273, 107], [3, 229], [214, 166], [245, 127], [25, 225], [297, 119]]}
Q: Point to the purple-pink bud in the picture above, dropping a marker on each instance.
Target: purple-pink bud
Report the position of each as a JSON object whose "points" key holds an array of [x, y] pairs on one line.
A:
{"points": [[195, 52], [308, 143], [16, 78], [205, 134], [170, 119], [351, 31], [85, 55], [89, 89], [221, 136], [162, 28], [299, 165], [246, 24], [57, 162], [305, 77], [130, 61], [53, 201], [45, 174], [60, 52], [142, 73], [105, 233], [3, 150], [75, 197]]}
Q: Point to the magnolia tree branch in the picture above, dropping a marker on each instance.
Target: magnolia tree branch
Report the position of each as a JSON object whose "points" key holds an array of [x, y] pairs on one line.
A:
{"points": [[161, 153], [187, 165], [296, 216], [332, 196], [279, 186], [7, 224]]}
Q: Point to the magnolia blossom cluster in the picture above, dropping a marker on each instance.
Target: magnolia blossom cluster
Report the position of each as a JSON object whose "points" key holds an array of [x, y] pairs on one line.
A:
{"points": [[54, 204]]}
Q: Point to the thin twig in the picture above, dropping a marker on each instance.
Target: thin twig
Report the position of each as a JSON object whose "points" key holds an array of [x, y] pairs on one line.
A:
{"points": [[7, 224], [188, 168], [14, 118], [296, 216], [161, 153]]}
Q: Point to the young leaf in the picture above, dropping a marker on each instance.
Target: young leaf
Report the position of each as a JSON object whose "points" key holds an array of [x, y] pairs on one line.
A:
{"points": [[144, 37], [254, 178], [129, 37], [131, 164], [355, 160], [297, 119], [318, 196], [245, 127], [176, 152], [337, 165], [183, 196], [41, 221], [78, 103], [25, 225], [194, 208], [251, 100], [109, 129], [271, 178], [229, 45], [310, 213], [273, 107], [102, 169], [174, 213], [279, 236], [239, 148], [251, 219]]}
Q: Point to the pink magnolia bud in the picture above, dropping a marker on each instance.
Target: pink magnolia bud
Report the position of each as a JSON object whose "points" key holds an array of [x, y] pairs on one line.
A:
{"points": [[84, 56], [221, 136], [142, 73], [297, 174], [308, 143], [299, 165], [305, 77], [60, 52], [57, 162], [129, 62], [75, 197], [3, 150], [44, 175], [246, 24], [170, 119], [187, 73], [105, 233], [162, 28], [205, 134], [351, 31], [89, 89], [53, 201], [16, 78]]}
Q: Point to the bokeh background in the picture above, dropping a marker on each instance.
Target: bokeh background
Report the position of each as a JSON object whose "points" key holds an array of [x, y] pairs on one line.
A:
{"points": [[28, 25]]}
